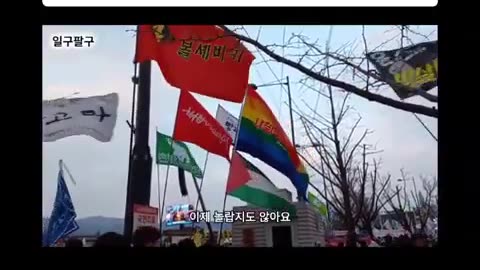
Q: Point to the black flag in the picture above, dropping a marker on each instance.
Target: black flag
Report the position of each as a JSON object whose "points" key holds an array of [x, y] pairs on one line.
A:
{"points": [[410, 68], [181, 181]]}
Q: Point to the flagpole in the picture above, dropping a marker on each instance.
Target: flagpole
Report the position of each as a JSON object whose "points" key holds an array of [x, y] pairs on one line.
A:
{"points": [[204, 208], [64, 165], [233, 152], [128, 223], [140, 170], [168, 167], [165, 187], [201, 182], [164, 195], [158, 182]]}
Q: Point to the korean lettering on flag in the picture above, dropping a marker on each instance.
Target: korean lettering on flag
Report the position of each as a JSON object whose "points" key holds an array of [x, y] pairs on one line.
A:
{"points": [[93, 116], [207, 133], [410, 68], [228, 121]]}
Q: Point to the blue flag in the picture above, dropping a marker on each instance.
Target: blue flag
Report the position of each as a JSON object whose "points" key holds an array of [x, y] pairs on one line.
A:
{"points": [[62, 221]]}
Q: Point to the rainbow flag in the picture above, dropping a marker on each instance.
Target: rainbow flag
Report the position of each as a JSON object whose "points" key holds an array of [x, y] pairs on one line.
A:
{"points": [[262, 136]]}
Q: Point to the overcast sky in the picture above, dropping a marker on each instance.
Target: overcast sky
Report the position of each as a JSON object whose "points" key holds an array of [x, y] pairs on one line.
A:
{"points": [[100, 169]]}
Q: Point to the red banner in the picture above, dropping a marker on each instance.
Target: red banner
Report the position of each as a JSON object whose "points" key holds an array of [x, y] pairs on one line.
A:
{"points": [[195, 125], [197, 58]]}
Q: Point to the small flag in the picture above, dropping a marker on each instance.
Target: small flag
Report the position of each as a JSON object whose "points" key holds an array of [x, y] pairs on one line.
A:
{"points": [[317, 204], [228, 121], [62, 220]]}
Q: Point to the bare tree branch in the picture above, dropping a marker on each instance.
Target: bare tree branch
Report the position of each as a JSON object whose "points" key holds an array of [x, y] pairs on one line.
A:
{"points": [[336, 83], [420, 92]]}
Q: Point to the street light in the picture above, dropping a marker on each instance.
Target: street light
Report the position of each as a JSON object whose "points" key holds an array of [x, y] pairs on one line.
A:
{"points": [[272, 84]]}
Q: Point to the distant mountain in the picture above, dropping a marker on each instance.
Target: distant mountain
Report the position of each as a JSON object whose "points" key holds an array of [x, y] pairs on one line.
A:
{"points": [[99, 225]]}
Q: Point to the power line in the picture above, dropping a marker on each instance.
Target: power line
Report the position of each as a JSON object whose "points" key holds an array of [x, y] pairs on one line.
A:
{"points": [[269, 67], [281, 71], [327, 49]]}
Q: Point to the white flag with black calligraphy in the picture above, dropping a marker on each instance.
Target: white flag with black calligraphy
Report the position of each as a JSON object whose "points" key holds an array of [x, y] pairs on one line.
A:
{"points": [[93, 116], [228, 121]]}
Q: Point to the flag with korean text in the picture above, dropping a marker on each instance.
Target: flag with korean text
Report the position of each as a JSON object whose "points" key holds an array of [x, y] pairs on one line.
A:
{"points": [[194, 124], [197, 58], [93, 116], [176, 153], [414, 67], [228, 121]]}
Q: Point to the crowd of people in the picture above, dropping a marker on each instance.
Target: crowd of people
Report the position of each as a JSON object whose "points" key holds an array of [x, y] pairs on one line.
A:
{"points": [[150, 237], [143, 237], [416, 240]]}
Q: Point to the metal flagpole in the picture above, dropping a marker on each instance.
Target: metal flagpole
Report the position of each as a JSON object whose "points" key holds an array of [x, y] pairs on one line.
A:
{"points": [[204, 208], [425, 126], [292, 126], [168, 170], [233, 152], [64, 165], [158, 192], [165, 191], [201, 181], [158, 183]]}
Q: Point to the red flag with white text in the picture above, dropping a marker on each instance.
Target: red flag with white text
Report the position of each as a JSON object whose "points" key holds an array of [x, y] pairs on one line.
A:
{"points": [[194, 124], [197, 58]]}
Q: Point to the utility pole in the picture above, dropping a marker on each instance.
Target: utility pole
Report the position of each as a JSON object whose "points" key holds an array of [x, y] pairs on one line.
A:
{"points": [[140, 171]]}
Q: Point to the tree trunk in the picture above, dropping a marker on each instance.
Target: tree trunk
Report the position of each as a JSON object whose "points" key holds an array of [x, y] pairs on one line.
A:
{"points": [[351, 235], [350, 224], [369, 229]]}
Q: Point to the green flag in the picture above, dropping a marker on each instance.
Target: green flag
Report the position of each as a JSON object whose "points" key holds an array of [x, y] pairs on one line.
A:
{"points": [[181, 156], [320, 206]]}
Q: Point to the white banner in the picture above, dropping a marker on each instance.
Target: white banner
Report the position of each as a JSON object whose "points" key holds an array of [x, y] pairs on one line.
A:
{"points": [[228, 121], [93, 116], [144, 216]]}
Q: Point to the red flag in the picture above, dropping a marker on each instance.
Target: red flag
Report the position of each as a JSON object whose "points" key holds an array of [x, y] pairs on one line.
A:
{"points": [[197, 58], [194, 124]]}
